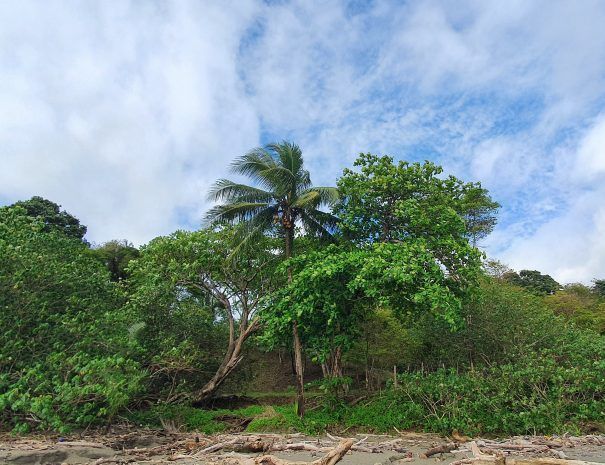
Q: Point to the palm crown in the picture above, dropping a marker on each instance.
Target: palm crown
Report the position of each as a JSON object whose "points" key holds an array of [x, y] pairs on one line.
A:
{"points": [[284, 197]]}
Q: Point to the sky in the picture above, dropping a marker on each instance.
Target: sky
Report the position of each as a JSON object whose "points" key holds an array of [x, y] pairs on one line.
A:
{"points": [[125, 112]]}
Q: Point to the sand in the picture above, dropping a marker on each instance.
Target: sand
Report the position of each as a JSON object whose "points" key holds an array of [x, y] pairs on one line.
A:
{"points": [[93, 448]]}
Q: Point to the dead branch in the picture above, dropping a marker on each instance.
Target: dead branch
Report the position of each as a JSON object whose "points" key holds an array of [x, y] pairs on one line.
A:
{"points": [[331, 458], [480, 458], [95, 445], [443, 449]]}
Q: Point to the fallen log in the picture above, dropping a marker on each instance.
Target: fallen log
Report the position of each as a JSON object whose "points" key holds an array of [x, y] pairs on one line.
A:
{"points": [[331, 458], [94, 445], [484, 459], [443, 449]]}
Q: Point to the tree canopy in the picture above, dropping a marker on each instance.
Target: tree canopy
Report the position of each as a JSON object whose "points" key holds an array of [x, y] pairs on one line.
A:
{"points": [[534, 281], [386, 201], [53, 218], [63, 346], [116, 255], [187, 287]]}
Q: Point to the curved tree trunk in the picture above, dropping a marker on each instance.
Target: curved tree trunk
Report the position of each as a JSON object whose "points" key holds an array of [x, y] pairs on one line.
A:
{"points": [[232, 358], [233, 355]]}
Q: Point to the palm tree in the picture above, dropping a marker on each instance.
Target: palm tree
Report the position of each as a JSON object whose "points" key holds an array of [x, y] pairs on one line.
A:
{"points": [[282, 200]]}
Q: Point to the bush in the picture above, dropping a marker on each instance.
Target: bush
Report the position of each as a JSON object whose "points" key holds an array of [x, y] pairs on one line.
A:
{"points": [[551, 392], [63, 342], [503, 324]]}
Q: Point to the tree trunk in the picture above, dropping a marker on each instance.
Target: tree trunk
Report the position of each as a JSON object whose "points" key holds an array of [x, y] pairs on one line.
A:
{"points": [[298, 363], [297, 345], [232, 359], [337, 363]]}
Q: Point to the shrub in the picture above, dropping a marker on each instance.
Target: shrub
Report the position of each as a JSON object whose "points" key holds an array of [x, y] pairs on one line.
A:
{"points": [[63, 341]]}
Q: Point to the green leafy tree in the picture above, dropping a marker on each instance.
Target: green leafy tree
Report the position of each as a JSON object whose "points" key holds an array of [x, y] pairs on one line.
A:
{"points": [[496, 269], [579, 304], [386, 201], [334, 290], [479, 212], [186, 287], [598, 287], [52, 217], [502, 324], [408, 252], [534, 281], [116, 255], [409, 204], [64, 345], [282, 202]]}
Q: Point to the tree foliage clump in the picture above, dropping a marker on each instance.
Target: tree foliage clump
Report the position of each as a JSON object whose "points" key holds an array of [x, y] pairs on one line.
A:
{"points": [[64, 349], [52, 217], [579, 304], [116, 255], [542, 394], [598, 287], [533, 281], [197, 305], [386, 201], [514, 368]]}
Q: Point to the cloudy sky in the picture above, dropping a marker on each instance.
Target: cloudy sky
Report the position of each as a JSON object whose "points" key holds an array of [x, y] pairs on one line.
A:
{"points": [[125, 112]]}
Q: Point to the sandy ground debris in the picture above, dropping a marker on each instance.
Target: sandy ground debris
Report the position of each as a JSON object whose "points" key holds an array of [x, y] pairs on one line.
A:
{"points": [[157, 447]]}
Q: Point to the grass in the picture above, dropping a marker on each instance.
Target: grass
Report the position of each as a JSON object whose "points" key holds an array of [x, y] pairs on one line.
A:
{"points": [[278, 418]]}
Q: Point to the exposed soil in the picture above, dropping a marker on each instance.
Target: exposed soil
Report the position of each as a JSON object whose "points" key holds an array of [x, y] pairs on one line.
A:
{"points": [[142, 446]]}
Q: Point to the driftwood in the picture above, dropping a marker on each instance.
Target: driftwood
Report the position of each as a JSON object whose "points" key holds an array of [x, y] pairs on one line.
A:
{"points": [[331, 458], [450, 446], [93, 445], [480, 458]]}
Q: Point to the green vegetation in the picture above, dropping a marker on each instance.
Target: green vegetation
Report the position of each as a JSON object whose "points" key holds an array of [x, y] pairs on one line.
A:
{"points": [[284, 200], [52, 217], [371, 295], [64, 345]]}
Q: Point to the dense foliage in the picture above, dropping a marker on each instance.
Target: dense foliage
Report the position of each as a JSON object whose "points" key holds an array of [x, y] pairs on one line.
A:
{"points": [[197, 305], [372, 290], [116, 255], [533, 281], [52, 217], [63, 346]]}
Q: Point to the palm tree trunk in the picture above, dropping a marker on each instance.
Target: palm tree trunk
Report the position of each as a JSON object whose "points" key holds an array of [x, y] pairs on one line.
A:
{"points": [[298, 362], [297, 345]]}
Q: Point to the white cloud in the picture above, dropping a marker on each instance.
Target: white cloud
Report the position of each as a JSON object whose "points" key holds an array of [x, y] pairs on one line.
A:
{"points": [[571, 245], [125, 112]]}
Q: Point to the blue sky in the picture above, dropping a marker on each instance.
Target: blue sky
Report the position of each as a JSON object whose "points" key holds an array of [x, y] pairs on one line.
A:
{"points": [[125, 112]]}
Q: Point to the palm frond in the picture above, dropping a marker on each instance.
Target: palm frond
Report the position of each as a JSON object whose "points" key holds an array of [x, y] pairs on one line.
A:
{"points": [[255, 161], [289, 155], [315, 197], [236, 212], [264, 167], [319, 224], [249, 232], [224, 189]]}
